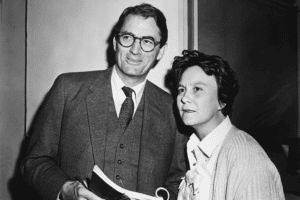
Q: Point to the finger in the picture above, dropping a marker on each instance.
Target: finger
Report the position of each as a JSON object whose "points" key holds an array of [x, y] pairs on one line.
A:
{"points": [[86, 194], [76, 188], [80, 191], [67, 191]]}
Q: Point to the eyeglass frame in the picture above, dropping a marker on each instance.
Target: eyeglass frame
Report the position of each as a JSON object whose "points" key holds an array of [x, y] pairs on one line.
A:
{"points": [[134, 38]]}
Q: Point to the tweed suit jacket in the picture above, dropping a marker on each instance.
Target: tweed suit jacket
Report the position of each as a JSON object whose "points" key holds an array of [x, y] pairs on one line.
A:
{"points": [[69, 136]]}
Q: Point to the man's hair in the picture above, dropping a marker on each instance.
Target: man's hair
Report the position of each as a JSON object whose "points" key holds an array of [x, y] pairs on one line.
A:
{"points": [[211, 65], [146, 11]]}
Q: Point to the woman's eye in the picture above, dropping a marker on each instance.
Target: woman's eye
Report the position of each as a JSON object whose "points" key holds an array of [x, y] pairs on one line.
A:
{"points": [[180, 90], [196, 89]]}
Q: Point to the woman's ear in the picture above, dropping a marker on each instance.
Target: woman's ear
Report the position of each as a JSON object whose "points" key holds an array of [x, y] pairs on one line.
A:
{"points": [[221, 105], [114, 43]]}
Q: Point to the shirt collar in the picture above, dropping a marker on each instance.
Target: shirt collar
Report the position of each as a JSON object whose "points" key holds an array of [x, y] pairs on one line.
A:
{"points": [[118, 84], [212, 140]]}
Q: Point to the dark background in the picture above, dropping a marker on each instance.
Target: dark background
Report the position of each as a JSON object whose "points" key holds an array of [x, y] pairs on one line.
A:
{"points": [[259, 40]]}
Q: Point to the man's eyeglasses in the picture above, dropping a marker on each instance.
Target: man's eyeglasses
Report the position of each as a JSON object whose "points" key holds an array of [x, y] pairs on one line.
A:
{"points": [[127, 40]]}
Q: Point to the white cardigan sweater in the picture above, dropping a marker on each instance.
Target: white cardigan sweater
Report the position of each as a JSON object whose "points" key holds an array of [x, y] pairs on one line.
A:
{"points": [[243, 171]]}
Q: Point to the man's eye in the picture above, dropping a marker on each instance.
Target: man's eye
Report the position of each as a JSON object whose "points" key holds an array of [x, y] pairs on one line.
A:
{"points": [[148, 41], [127, 37]]}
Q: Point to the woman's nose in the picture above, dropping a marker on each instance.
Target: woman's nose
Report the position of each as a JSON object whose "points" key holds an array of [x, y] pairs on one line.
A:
{"points": [[185, 98]]}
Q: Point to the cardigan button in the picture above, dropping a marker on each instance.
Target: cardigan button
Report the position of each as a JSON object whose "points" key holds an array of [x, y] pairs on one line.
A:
{"points": [[119, 161], [118, 177], [121, 146]]}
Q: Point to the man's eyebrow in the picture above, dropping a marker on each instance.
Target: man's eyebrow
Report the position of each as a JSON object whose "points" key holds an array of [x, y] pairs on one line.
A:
{"points": [[129, 33], [126, 32]]}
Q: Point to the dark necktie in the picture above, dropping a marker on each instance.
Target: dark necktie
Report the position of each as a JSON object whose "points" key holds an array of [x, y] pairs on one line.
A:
{"points": [[127, 108]]}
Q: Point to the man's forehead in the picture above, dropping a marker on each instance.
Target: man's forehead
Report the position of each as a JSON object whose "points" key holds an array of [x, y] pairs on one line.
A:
{"points": [[140, 26]]}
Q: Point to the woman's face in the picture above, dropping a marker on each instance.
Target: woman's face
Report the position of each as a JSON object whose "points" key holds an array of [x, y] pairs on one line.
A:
{"points": [[197, 100]]}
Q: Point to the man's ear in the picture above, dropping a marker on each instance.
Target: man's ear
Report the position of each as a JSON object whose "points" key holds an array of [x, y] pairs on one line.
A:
{"points": [[162, 52], [115, 43]]}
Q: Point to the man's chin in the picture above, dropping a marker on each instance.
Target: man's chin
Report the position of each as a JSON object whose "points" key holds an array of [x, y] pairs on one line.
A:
{"points": [[132, 73]]}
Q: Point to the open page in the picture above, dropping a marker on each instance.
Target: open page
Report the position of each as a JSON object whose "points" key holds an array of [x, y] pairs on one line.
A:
{"points": [[102, 186]]}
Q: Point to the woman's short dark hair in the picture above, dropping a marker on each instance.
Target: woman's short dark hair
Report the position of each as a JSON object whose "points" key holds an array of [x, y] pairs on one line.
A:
{"points": [[146, 11], [211, 65]]}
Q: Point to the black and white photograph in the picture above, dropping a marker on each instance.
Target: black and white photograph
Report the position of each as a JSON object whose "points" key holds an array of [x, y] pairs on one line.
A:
{"points": [[150, 99]]}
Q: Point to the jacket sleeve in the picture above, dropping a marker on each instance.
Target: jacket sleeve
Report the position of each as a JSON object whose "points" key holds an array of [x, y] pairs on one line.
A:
{"points": [[40, 167], [178, 166]]}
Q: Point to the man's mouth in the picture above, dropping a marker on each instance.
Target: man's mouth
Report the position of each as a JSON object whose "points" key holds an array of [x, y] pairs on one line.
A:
{"points": [[134, 61]]}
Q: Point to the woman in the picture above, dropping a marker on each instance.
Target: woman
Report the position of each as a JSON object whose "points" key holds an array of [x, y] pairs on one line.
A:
{"points": [[225, 162]]}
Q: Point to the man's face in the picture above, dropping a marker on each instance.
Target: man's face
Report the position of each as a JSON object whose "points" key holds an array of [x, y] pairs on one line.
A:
{"points": [[132, 62], [197, 100]]}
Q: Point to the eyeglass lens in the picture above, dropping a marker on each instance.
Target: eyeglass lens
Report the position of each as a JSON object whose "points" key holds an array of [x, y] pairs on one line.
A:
{"points": [[147, 44]]}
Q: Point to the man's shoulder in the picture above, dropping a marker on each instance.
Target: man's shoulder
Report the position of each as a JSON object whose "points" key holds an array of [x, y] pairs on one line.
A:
{"points": [[84, 77], [157, 92]]}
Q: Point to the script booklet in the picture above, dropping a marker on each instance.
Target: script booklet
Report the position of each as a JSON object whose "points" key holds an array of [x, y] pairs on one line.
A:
{"points": [[105, 188]]}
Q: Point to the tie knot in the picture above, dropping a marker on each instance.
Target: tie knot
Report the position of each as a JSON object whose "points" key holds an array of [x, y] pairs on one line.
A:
{"points": [[127, 91]]}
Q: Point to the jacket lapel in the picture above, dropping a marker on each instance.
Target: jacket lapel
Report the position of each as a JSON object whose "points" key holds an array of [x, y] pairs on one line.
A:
{"points": [[148, 150], [152, 109], [97, 106]]}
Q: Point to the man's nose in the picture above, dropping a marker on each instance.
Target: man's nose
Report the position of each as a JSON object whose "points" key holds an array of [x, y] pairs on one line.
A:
{"points": [[136, 47]]}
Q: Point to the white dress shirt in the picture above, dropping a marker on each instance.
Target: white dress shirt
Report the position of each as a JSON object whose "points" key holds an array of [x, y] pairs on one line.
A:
{"points": [[118, 94]]}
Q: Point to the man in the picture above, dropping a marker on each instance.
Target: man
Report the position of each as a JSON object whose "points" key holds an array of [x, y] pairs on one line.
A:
{"points": [[81, 123], [225, 162]]}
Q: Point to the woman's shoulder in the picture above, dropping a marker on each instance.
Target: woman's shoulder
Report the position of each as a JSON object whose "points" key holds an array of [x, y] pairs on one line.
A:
{"points": [[239, 145], [243, 161]]}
